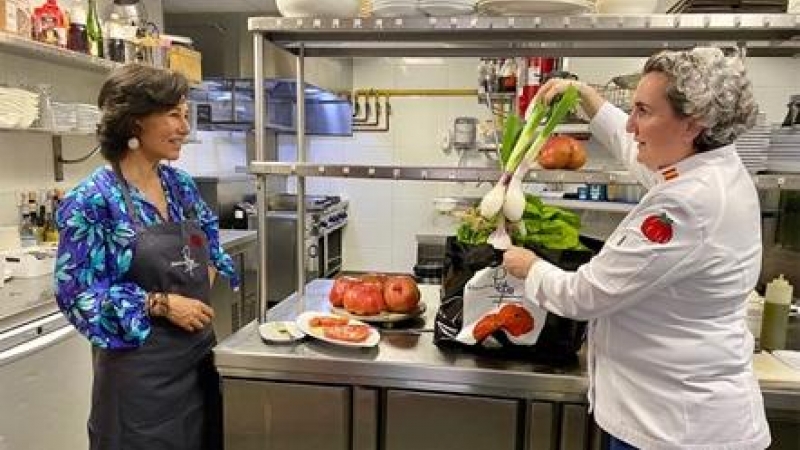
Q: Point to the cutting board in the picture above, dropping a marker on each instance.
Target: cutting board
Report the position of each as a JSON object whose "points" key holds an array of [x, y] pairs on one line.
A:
{"points": [[774, 372]]}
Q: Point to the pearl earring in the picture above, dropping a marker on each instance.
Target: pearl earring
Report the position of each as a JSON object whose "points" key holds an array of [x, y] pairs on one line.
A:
{"points": [[133, 143]]}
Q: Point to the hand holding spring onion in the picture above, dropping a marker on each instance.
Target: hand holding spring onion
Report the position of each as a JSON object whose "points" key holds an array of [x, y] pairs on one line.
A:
{"points": [[507, 194]]}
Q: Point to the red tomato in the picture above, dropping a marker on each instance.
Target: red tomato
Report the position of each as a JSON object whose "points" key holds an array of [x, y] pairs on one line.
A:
{"points": [[348, 333], [658, 228], [327, 321]]}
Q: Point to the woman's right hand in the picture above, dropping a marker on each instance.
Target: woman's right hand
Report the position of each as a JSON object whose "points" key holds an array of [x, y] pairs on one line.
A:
{"points": [[591, 101], [190, 314]]}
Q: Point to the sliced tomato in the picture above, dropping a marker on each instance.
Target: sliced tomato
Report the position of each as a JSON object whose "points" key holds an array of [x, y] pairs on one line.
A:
{"points": [[348, 333], [327, 321]]}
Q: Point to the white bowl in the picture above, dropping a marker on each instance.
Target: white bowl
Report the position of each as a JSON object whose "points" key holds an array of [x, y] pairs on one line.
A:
{"points": [[318, 8], [445, 204], [626, 6]]}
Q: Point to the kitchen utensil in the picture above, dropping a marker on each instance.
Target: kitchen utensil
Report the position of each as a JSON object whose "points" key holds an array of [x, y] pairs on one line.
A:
{"points": [[465, 132]]}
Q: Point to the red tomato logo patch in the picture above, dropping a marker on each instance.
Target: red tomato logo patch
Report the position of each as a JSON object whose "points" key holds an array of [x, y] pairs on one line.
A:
{"points": [[196, 240], [657, 228]]}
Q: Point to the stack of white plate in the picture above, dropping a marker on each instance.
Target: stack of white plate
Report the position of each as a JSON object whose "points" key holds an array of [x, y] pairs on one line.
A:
{"points": [[87, 117], [65, 116], [534, 7], [447, 7], [753, 145], [18, 108], [784, 150], [396, 8]]}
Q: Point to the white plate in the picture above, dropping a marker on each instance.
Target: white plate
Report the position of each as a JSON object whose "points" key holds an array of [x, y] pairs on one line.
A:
{"points": [[384, 317], [533, 7], [316, 332], [280, 331]]}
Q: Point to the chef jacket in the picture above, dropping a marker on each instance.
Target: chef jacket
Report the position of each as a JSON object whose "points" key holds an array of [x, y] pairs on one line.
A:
{"points": [[670, 354]]}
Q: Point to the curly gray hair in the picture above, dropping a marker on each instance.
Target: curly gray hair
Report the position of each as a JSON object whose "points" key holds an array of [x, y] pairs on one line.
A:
{"points": [[712, 87]]}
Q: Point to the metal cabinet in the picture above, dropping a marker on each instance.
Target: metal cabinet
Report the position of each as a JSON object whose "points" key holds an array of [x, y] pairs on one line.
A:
{"points": [[234, 309], [561, 426], [419, 420], [285, 416]]}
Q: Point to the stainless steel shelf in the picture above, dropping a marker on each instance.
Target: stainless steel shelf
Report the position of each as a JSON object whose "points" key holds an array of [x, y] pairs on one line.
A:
{"points": [[431, 173], [475, 174], [13, 44], [583, 35], [46, 131], [606, 206]]}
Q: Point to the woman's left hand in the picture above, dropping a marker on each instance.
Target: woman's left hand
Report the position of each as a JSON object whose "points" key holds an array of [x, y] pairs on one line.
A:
{"points": [[518, 261]]}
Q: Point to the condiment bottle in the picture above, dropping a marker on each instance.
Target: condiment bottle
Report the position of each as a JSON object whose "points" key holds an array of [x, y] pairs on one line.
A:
{"points": [[48, 24], [94, 30], [777, 302], [77, 39]]}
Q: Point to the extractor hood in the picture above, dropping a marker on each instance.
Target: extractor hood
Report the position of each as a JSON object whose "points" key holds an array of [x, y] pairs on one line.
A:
{"points": [[228, 104]]}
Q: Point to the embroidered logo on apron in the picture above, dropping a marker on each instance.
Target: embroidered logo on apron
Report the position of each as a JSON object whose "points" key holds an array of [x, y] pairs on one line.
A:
{"points": [[188, 263]]}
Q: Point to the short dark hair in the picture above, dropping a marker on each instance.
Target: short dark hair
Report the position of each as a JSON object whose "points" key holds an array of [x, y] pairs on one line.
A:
{"points": [[131, 92]]}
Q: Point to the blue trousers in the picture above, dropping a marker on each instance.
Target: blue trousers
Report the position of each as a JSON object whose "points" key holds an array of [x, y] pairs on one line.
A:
{"points": [[616, 444]]}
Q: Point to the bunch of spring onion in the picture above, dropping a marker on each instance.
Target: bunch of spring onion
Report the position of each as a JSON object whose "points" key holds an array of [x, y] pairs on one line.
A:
{"points": [[507, 195]]}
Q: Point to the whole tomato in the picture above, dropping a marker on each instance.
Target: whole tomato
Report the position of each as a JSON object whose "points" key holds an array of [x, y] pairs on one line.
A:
{"points": [[657, 228], [340, 287]]}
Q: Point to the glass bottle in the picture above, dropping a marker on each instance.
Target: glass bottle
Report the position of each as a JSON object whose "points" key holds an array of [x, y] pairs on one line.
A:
{"points": [[115, 39], [77, 38], [94, 31]]}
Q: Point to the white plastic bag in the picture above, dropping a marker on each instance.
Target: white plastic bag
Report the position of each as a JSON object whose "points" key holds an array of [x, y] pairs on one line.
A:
{"points": [[494, 302]]}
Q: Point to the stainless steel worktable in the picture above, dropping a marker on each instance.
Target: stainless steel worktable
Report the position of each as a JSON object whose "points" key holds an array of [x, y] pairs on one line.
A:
{"points": [[408, 359], [405, 358]]}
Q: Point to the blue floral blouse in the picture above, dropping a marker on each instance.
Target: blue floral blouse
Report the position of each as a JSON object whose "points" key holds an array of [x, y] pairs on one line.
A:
{"points": [[96, 237]]}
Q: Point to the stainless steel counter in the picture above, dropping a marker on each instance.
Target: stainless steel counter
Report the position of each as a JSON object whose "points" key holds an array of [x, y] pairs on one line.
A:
{"points": [[408, 359], [403, 359], [23, 300], [233, 240]]}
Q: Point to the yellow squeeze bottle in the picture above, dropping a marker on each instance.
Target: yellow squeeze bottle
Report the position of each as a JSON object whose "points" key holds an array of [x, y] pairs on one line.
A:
{"points": [[777, 303]]}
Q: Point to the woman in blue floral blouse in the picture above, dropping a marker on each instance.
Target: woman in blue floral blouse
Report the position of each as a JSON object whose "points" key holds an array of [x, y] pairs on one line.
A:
{"points": [[137, 254]]}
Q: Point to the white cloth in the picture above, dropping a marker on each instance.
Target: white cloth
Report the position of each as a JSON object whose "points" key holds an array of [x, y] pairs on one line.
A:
{"points": [[670, 352]]}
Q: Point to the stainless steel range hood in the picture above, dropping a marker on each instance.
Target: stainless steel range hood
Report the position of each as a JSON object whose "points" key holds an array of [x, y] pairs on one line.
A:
{"points": [[227, 104]]}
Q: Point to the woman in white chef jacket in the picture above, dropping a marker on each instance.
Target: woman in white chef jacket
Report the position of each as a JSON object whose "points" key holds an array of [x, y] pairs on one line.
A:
{"points": [[669, 350]]}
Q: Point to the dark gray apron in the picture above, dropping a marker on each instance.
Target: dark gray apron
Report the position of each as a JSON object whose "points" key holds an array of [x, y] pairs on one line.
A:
{"points": [[164, 395]]}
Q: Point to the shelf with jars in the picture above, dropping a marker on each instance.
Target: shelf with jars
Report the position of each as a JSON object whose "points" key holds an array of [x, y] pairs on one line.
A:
{"points": [[17, 45]]}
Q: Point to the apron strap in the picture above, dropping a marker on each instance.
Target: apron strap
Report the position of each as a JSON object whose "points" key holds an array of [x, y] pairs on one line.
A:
{"points": [[126, 195]]}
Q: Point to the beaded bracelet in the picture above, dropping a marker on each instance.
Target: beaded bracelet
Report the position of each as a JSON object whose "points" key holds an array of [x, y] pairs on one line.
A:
{"points": [[157, 303]]}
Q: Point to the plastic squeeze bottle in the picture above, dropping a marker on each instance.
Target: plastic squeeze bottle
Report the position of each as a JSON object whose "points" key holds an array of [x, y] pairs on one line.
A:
{"points": [[777, 303]]}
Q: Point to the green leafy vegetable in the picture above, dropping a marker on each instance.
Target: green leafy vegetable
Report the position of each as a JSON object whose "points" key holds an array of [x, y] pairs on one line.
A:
{"points": [[541, 225]]}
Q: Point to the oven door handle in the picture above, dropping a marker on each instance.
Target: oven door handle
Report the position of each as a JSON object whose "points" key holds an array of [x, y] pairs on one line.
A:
{"points": [[35, 345]]}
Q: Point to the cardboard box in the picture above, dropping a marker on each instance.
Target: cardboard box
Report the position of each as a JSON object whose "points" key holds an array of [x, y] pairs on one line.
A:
{"points": [[186, 61], [15, 17]]}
